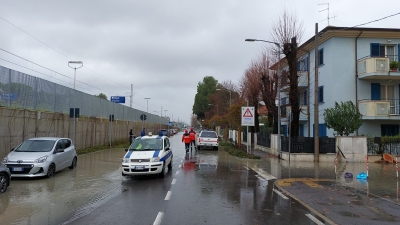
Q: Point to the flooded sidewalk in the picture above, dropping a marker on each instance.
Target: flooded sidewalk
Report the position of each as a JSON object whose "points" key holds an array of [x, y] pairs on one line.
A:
{"points": [[335, 194]]}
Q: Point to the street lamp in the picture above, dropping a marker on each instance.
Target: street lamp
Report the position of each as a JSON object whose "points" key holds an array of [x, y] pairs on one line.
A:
{"points": [[147, 104], [217, 108], [230, 96], [75, 65], [279, 90]]}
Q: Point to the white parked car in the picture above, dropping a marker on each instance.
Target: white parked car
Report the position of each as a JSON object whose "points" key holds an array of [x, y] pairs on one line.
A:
{"points": [[42, 156], [207, 139], [149, 154]]}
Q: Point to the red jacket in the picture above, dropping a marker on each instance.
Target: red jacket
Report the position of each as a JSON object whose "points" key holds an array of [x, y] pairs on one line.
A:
{"points": [[186, 138], [192, 135]]}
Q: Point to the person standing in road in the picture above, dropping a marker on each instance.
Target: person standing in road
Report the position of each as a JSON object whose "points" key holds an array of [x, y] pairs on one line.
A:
{"points": [[143, 133], [192, 135], [130, 137], [186, 140]]}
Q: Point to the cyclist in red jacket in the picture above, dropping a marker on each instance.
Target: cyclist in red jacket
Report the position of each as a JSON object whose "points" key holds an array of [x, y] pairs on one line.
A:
{"points": [[186, 140], [192, 135]]}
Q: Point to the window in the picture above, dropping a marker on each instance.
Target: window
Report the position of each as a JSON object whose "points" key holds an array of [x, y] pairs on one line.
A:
{"points": [[302, 64], [321, 94], [383, 51], [303, 98], [389, 129], [321, 57]]}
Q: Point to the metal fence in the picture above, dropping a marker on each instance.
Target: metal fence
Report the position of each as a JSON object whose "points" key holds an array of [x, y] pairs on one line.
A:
{"points": [[389, 147], [264, 139], [20, 90], [306, 144]]}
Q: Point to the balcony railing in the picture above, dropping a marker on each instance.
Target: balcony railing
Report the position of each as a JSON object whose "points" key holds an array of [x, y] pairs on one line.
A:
{"points": [[376, 67], [379, 108]]}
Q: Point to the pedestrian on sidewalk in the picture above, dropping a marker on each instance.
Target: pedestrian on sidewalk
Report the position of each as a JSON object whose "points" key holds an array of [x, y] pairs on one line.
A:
{"points": [[186, 140], [192, 135], [130, 137]]}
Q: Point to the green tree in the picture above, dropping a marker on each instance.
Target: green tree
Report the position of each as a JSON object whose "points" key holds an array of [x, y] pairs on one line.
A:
{"points": [[201, 100], [344, 118], [101, 95]]}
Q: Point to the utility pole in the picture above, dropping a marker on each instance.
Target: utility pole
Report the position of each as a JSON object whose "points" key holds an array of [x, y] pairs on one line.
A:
{"points": [[316, 113]]}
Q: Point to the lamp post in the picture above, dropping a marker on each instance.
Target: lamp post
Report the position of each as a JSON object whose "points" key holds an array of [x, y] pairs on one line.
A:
{"points": [[165, 114], [217, 108], [147, 104], [78, 64], [279, 90], [230, 96]]}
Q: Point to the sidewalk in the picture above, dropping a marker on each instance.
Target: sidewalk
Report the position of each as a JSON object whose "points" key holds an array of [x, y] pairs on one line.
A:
{"points": [[346, 202]]}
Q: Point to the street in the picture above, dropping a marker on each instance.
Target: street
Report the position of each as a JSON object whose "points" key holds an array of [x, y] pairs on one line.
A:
{"points": [[208, 187]]}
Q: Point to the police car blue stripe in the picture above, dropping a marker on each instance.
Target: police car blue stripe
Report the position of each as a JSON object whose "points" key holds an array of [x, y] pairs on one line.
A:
{"points": [[156, 152], [166, 156], [128, 155]]}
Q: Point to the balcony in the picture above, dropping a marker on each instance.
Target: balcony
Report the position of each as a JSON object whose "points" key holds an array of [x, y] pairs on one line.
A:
{"points": [[302, 82], [376, 68], [286, 110], [380, 109]]}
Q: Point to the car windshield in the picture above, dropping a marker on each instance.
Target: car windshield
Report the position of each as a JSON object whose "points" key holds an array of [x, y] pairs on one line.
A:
{"points": [[36, 146], [208, 134], [144, 144]]}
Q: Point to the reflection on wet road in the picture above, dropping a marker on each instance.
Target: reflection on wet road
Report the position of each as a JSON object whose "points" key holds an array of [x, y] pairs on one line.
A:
{"points": [[205, 187]]}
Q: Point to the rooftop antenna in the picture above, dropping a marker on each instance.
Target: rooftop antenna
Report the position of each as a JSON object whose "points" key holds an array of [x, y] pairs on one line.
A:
{"points": [[327, 18]]}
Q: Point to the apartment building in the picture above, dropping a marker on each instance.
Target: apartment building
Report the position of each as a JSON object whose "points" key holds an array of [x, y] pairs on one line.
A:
{"points": [[353, 65]]}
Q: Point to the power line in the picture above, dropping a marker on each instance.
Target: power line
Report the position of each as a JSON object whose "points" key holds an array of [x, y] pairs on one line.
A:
{"points": [[44, 68], [57, 50]]}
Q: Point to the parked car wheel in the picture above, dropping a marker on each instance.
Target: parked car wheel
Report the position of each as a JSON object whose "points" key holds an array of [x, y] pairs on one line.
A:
{"points": [[170, 164], [73, 164], [4, 182], [51, 170]]}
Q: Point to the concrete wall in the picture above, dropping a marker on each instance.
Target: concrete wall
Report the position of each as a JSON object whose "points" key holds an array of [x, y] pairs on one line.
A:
{"points": [[17, 125], [353, 148]]}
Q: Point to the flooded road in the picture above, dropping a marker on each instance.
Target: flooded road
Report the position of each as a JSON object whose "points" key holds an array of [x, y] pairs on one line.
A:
{"points": [[208, 187]]}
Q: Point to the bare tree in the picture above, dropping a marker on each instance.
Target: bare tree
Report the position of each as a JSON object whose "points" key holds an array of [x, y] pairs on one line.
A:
{"points": [[286, 31], [251, 90], [268, 87]]}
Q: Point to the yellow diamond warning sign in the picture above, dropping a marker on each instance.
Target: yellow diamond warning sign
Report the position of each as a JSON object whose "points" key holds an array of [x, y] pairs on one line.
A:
{"points": [[248, 116]]}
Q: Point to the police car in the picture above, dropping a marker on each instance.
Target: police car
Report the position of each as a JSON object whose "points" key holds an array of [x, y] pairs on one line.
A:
{"points": [[147, 155]]}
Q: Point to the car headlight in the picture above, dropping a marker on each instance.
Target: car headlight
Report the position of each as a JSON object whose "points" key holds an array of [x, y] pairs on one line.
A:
{"points": [[125, 160], [41, 159], [155, 159], [5, 160]]}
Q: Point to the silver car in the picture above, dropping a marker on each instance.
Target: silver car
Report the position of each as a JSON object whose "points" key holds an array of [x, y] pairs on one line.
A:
{"points": [[42, 156], [5, 178]]}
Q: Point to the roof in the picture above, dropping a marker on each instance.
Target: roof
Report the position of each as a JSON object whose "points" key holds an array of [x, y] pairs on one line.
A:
{"points": [[349, 32]]}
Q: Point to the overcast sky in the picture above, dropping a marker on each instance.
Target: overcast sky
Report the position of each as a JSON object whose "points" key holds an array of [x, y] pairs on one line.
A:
{"points": [[163, 47]]}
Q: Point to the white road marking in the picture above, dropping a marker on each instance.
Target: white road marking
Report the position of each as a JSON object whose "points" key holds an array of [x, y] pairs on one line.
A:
{"points": [[174, 180], [263, 173], [158, 218], [245, 167], [168, 196], [315, 220], [280, 194], [177, 172], [180, 165]]}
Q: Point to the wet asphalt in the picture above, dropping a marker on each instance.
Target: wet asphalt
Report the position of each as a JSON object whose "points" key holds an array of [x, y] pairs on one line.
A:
{"points": [[207, 187]]}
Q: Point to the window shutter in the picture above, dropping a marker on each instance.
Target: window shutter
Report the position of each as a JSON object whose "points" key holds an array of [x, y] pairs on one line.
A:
{"points": [[375, 49], [398, 52], [306, 62], [321, 94], [375, 91], [305, 98]]}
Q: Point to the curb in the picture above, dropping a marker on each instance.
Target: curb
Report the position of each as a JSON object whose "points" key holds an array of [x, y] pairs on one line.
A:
{"points": [[278, 183]]}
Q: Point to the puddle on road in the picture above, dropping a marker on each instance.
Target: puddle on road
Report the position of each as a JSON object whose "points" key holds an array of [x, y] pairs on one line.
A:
{"points": [[67, 196]]}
